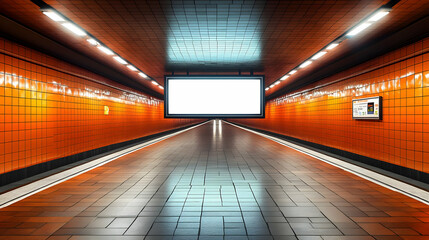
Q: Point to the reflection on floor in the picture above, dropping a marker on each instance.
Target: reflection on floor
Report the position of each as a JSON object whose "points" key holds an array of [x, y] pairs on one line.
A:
{"points": [[216, 182]]}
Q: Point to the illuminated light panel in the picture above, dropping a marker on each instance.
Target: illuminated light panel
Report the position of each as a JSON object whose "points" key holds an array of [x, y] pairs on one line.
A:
{"points": [[377, 16], [318, 55], [120, 60], [293, 72], [160, 86], [105, 50], [271, 86], [92, 41], [332, 46], [305, 64], [74, 29], [154, 83], [143, 75], [277, 83], [54, 16], [358, 29], [284, 77], [132, 67], [267, 88], [240, 96]]}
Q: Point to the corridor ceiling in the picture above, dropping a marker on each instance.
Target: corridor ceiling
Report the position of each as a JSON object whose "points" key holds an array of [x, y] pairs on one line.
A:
{"points": [[215, 37]]}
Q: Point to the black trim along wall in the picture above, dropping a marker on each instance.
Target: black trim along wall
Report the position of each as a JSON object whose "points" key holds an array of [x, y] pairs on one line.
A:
{"points": [[357, 159], [19, 174]]}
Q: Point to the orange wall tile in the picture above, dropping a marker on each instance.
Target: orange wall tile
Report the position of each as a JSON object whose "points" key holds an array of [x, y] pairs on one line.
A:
{"points": [[323, 114], [50, 109]]}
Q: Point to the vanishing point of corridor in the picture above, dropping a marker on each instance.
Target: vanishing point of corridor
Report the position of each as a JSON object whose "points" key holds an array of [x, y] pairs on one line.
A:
{"points": [[216, 181]]}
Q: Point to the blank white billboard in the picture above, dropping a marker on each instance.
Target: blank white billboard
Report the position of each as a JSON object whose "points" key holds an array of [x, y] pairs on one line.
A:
{"points": [[214, 96]]}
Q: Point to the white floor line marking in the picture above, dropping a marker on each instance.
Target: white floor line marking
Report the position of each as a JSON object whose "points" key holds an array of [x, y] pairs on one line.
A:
{"points": [[380, 179], [25, 191]]}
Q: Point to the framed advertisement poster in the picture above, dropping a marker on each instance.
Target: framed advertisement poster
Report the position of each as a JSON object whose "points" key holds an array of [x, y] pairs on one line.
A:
{"points": [[367, 108]]}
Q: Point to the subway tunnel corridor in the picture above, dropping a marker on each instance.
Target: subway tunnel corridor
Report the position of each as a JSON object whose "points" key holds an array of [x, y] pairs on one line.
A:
{"points": [[214, 120], [216, 181]]}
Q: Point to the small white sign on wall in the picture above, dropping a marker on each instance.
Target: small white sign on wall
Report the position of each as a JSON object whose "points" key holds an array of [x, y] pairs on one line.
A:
{"points": [[367, 108]]}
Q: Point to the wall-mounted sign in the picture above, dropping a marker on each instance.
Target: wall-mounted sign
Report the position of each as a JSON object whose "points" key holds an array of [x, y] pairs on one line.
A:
{"points": [[241, 96], [106, 110], [367, 108]]}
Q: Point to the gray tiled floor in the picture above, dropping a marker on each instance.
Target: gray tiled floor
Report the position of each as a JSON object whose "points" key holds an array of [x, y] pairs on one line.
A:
{"points": [[216, 182]]}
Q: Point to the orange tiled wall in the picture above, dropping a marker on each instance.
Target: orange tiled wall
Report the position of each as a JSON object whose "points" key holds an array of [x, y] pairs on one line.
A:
{"points": [[323, 114], [50, 109]]}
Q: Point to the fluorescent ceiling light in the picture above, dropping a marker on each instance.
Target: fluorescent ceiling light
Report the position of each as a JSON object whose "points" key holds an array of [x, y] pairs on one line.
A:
{"points": [[284, 77], [332, 46], [132, 67], [277, 83], [358, 29], [54, 16], [74, 29], [105, 50], [120, 60], [92, 41], [271, 86], [293, 72], [267, 88], [377, 16], [160, 86], [318, 55], [305, 64], [142, 75], [154, 83]]}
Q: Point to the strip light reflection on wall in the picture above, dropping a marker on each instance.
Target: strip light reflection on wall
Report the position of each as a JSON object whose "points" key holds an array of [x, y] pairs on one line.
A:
{"points": [[355, 30], [74, 28]]}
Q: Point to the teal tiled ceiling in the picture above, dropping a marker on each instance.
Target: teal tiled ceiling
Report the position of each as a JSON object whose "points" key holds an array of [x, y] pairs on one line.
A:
{"points": [[220, 34]]}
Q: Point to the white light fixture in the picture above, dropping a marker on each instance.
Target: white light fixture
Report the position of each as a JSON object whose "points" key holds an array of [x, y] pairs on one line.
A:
{"points": [[354, 31], [284, 77], [132, 68], [359, 29], [105, 50], [378, 15], [305, 64], [142, 75], [332, 46], [318, 55], [267, 88], [120, 60], [92, 41], [54, 16], [80, 32], [74, 29]]}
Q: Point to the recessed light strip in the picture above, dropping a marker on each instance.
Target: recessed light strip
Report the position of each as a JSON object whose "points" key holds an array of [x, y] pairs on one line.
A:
{"points": [[74, 28], [355, 30]]}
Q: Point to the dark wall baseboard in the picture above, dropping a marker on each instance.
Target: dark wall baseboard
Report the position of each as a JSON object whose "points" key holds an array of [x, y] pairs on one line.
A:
{"points": [[19, 174], [373, 164]]}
